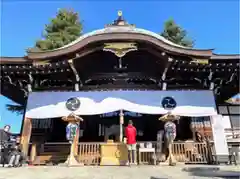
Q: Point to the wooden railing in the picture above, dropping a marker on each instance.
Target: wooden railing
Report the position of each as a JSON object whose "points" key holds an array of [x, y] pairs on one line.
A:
{"points": [[190, 152], [89, 153], [186, 152]]}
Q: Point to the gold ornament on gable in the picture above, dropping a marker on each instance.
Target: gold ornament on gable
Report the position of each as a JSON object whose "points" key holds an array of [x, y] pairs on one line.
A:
{"points": [[120, 49]]}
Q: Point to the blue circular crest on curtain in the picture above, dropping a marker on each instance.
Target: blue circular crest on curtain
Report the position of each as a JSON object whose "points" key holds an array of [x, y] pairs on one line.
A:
{"points": [[73, 104], [168, 103]]}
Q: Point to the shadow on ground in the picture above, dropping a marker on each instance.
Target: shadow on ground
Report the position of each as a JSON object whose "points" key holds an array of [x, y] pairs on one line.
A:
{"points": [[157, 178], [212, 172]]}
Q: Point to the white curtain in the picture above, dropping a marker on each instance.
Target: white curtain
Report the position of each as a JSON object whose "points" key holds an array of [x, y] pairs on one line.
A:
{"points": [[52, 104]]}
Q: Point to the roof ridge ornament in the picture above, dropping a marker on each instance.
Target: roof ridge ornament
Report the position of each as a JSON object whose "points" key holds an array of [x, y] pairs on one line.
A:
{"points": [[120, 21], [119, 13]]}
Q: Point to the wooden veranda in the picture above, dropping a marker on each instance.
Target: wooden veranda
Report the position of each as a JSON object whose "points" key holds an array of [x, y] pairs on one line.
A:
{"points": [[90, 153]]}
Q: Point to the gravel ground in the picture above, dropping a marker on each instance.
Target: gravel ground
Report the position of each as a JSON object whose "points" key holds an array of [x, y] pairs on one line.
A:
{"points": [[136, 172]]}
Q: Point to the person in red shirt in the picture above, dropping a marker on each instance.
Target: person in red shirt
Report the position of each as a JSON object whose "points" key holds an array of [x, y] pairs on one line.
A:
{"points": [[131, 133]]}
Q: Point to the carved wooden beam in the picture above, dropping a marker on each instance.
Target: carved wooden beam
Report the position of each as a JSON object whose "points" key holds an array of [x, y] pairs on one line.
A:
{"points": [[218, 87], [210, 76], [120, 49], [233, 75], [9, 79], [78, 80], [20, 84], [164, 74], [17, 83], [29, 85], [12, 91]]}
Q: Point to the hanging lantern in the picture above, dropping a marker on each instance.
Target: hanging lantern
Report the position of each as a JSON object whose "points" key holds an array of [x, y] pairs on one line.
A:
{"points": [[71, 131]]}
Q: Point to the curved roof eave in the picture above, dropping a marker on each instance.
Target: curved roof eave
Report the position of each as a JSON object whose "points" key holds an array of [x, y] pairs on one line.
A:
{"points": [[120, 33], [225, 56], [15, 60]]}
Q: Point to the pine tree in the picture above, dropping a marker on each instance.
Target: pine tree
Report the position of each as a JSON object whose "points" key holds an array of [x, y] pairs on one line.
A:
{"points": [[62, 30], [176, 34], [19, 109]]}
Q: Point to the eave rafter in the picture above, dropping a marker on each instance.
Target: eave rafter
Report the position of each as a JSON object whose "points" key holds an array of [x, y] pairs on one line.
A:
{"points": [[206, 74], [78, 83], [34, 69], [11, 82]]}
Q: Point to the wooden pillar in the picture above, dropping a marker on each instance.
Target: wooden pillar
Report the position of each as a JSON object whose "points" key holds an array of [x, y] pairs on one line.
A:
{"points": [[33, 153], [121, 121], [76, 141], [26, 135]]}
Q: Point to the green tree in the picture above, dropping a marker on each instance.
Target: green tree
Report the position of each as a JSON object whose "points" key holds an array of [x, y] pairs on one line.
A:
{"points": [[63, 29], [176, 34]]}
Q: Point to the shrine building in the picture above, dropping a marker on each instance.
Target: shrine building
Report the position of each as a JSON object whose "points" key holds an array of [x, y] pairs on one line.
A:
{"points": [[120, 70]]}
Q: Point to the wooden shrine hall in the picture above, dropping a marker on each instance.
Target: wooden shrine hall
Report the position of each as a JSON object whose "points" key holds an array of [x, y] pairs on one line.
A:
{"points": [[118, 73]]}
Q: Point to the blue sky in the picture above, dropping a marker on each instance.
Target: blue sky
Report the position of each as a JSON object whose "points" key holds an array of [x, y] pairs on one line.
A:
{"points": [[213, 24]]}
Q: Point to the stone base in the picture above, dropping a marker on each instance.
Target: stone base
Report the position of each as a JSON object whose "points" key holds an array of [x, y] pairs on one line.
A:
{"points": [[171, 161], [110, 161], [72, 162]]}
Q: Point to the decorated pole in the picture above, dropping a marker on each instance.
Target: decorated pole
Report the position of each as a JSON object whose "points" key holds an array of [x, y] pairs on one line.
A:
{"points": [[168, 103], [72, 130]]}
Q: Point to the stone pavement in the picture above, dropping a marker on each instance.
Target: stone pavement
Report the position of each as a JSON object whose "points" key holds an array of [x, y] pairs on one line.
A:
{"points": [[134, 172]]}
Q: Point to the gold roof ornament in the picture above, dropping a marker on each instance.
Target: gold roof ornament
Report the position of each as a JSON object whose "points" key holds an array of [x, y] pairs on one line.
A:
{"points": [[120, 21], [119, 13], [120, 49]]}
